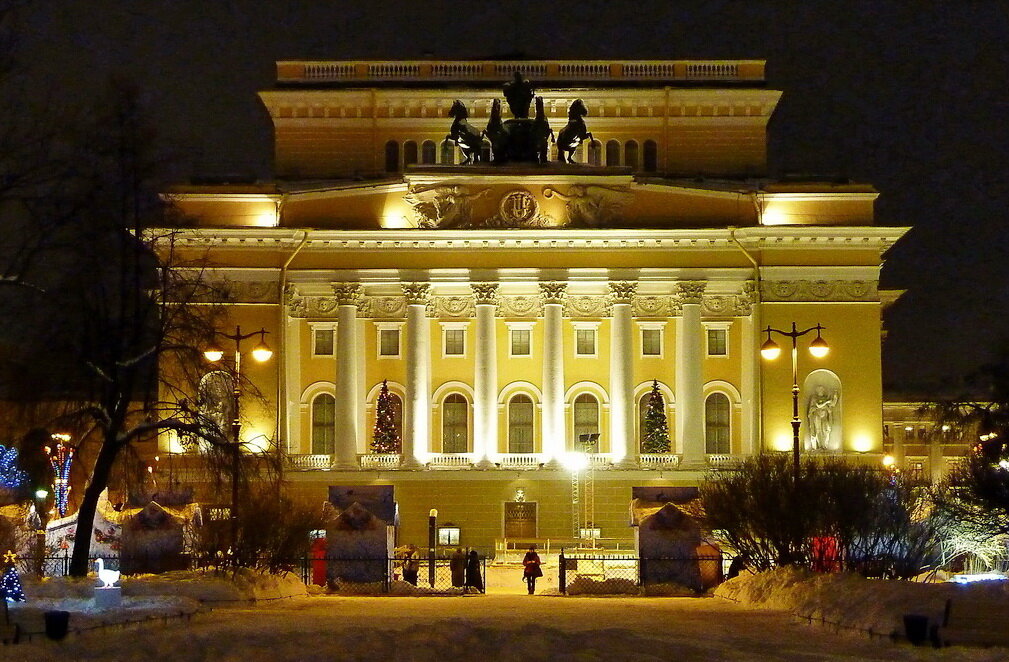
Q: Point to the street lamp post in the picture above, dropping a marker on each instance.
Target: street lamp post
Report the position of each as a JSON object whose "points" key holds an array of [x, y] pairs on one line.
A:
{"points": [[214, 353], [432, 541], [770, 350]]}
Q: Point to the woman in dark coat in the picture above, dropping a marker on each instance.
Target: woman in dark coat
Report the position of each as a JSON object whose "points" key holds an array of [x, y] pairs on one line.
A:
{"points": [[531, 568], [473, 577]]}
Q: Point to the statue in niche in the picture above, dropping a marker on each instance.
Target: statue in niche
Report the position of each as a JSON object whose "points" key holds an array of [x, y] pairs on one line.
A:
{"points": [[820, 418], [592, 206], [442, 207], [215, 402], [470, 140], [573, 133], [519, 92]]}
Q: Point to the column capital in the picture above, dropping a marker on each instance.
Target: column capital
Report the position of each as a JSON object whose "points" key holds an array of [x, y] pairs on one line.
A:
{"points": [[691, 291], [347, 294], [622, 291], [485, 293], [417, 293], [553, 291]]}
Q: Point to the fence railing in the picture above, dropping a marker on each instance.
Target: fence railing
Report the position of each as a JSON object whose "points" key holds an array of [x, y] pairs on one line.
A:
{"points": [[580, 573]]}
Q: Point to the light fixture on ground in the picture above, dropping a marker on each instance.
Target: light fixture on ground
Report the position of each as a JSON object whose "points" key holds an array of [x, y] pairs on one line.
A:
{"points": [[214, 353], [770, 350]]}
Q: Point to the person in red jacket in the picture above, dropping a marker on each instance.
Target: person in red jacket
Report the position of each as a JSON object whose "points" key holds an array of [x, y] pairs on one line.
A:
{"points": [[531, 568]]}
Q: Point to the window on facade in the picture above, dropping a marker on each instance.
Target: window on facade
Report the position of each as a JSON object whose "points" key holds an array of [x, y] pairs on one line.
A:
{"points": [[717, 339], [595, 153], [520, 424], [651, 154], [455, 424], [585, 342], [651, 342], [322, 344], [520, 342], [392, 156], [631, 154], [448, 535], [586, 413], [388, 342], [323, 424], [409, 153], [428, 152], [448, 152], [455, 342], [716, 424], [612, 153]]}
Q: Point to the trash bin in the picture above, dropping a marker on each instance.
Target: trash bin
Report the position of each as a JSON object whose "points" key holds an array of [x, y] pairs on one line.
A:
{"points": [[57, 623], [916, 628]]}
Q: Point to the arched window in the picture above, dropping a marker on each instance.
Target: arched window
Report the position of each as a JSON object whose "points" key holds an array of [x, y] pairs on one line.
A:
{"points": [[409, 153], [651, 156], [428, 152], [586, 412], [612, 153], [485, 151], [455, 424], [631, 154], [448, 152], [323, 424], [392, 156], [716, 425], [595, 153], [520, 424]]}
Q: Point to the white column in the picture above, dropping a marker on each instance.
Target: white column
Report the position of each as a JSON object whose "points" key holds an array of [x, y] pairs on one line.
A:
{"points": [[291, 352], [485, 421], [553, 371], [689, 376], [348, 398], [750, 362], [416, 436], [622, 442]]}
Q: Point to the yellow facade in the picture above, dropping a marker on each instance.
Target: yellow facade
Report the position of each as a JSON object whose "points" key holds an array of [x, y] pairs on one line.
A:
{"points": [[511, 308]]}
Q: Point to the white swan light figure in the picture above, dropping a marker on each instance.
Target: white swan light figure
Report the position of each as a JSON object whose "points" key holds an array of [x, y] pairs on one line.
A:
{"points": [[108, 577]]}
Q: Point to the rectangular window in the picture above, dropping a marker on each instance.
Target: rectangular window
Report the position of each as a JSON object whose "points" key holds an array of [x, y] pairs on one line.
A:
{"points": [[585, 342], [322, 342], [455, 342], [388, 342], [717, 342], [448, 535], [651, 342], [520, 345]]}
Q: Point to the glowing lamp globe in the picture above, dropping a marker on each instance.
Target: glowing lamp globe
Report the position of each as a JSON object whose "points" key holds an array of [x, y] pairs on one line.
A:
{"points": [[262, 352], [213, 353], [888, 461], [770, 350], [818, 347]]}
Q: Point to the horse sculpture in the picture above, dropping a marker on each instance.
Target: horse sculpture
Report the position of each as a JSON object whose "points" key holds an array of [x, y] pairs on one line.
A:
{"points": [[470, 140], [495, 131], [573, 133], [542, 132]]}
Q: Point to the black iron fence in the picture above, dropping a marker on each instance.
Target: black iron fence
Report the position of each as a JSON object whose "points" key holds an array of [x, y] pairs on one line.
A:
{"points": [[584, 574]]}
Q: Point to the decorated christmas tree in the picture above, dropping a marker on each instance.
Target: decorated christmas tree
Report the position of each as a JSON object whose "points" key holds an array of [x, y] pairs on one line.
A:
{"points": [[10, 583], [655, 433], [385, 438]]}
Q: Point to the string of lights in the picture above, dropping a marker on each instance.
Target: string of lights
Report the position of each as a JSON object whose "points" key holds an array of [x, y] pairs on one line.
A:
{"points": [[61, 457]]}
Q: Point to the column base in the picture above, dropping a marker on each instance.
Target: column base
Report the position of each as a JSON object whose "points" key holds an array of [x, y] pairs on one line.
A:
{"points": [[484, 465], [693, 464], [345, 466], [627, 463], [411, 464], [553, 465]]}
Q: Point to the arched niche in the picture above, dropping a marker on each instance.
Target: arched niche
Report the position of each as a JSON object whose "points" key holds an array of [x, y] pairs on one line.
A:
{"points": [[820, 405]]}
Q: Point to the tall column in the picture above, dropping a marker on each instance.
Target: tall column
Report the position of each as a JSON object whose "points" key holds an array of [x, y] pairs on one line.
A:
{"points": [[749, 372], [348, 397], [485, 421], [689, 377], [416, 437], [291, 353], [553, 370], [622, 442]]}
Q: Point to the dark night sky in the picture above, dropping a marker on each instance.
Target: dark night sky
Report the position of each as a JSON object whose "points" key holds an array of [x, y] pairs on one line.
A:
{"points": [[909, 96]]}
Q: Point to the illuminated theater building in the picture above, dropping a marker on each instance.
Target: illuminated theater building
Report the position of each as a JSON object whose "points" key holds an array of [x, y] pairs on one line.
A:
{"points": [[515, 308]]}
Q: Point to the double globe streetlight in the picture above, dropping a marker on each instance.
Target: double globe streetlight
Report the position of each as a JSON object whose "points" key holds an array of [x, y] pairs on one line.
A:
{"points": [[214, 353], [770, 350]]}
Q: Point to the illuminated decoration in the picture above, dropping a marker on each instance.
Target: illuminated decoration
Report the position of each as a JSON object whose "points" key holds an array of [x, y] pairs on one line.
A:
{"points": [[61, 457], [11, 476], [656, 432], [10, 583], [980, 577], [385, 437], [107, 577]]}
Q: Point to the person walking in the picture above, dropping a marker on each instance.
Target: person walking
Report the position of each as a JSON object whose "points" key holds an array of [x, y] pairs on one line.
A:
{"points": [[457, 564], [473, 576], [531, 568], [411, 565]]}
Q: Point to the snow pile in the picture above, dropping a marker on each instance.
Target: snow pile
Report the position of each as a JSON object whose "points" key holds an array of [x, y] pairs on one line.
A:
{"points": [[613, 586], [852, 601]]}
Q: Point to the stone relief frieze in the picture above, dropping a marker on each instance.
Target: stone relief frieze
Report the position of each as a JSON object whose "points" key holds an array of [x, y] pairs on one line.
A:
{"points": [[592, 206], [820, 290], [383, 307], [453, 306], [655, 305], [582, 305], [244, 291], [520, 306], [442, 206], [518, 209]]}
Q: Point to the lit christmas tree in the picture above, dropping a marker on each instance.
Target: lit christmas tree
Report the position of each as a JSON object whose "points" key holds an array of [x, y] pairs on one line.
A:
{"points": [[11, 476], [384, 438], [10, 583], [655, 435]]}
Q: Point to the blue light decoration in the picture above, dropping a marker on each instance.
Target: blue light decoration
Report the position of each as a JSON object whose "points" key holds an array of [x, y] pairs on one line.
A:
{"points": [[11, 476], [61, 456], [10, 583]]}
